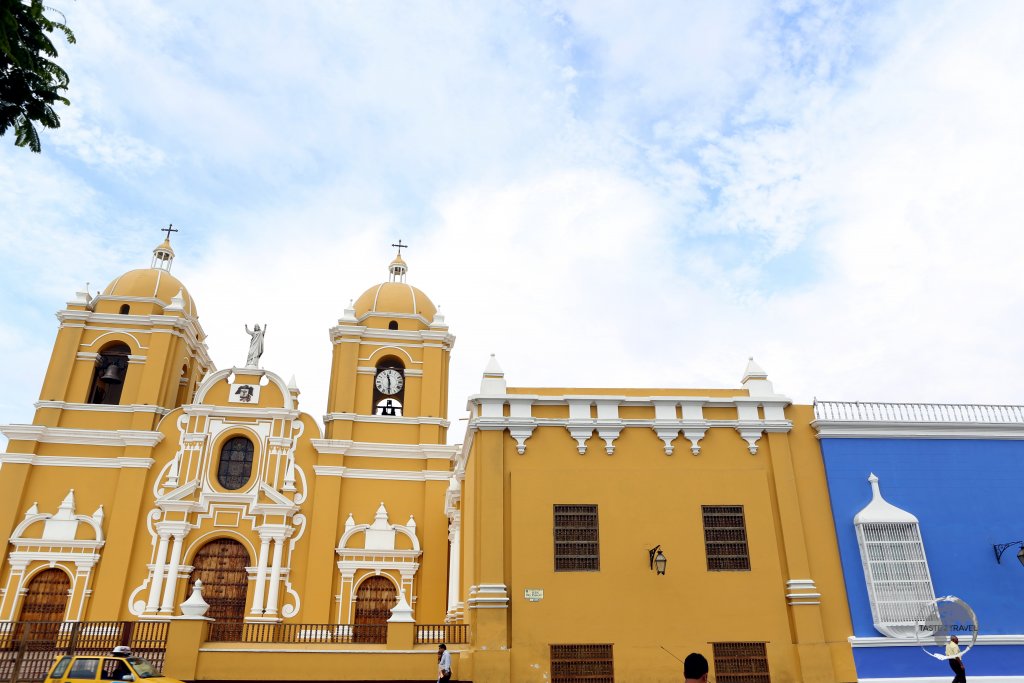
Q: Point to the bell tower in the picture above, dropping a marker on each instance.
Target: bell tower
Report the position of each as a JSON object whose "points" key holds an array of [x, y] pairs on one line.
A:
{"points": [[126, 356], [389, 376], [385, 449]]}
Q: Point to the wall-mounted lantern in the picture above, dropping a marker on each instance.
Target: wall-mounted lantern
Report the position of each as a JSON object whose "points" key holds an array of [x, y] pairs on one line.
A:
{"points": [[1000, 548], [658, 559]]}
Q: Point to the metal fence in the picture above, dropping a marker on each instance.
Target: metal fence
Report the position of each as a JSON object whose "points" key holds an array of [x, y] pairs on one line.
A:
{"points": [[441, 633], [228, 632], [858, 411], [29, 648]]}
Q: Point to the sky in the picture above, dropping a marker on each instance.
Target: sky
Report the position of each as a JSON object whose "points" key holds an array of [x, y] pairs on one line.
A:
{"points": [[635, 194]]}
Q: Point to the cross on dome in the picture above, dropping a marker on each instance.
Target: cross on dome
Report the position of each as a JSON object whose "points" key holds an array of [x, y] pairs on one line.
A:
{"points": [[163, 255], [398, 267]]}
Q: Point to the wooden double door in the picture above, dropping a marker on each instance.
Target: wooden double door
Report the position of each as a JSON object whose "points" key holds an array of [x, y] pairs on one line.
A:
{"points": [[220, 565]]}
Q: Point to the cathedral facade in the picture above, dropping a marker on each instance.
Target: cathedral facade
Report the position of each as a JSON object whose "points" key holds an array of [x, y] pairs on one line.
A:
{"points": [[574, 534]]}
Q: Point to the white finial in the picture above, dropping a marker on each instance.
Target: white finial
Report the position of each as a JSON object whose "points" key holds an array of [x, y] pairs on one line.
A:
{"points": [[177, 302], [293, 388], [411, 523], [438, 321], [350, 313], [493, 381], [755, 380], [98, 515], [879, 510], [34, 510], [195, 607], [350, 522], [402, 611]]}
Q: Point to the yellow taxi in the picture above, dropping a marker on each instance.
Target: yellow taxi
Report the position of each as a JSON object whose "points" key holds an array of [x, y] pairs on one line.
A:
{"points": [[120, 665]]}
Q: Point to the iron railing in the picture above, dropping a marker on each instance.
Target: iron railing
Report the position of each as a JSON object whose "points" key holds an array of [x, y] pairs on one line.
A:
{"points": [[29, 648], [441, 633], [859, 411], [229, 632]]}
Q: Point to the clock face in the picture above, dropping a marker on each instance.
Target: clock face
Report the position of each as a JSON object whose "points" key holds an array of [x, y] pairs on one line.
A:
{"points": [[389, 382]]}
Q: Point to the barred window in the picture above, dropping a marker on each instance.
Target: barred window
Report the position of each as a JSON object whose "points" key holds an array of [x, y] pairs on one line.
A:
{"points": [[235, 463], [725, 538], [577, 547], [741, 663], [581, 664]]}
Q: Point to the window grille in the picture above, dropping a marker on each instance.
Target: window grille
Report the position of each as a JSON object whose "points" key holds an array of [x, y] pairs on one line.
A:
{"points": [[235, 463], [577, 543], [896, 571], [725, 538], [582, 664], [741, 663]]}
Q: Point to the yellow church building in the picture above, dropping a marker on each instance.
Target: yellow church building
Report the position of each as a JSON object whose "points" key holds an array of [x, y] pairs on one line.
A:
{"points": [[573, 535]]}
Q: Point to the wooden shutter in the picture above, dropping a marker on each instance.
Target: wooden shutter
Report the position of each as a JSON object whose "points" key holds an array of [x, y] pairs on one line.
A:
{"points": [[582, 664], [725, 538], [741, 663], [577, 539]]}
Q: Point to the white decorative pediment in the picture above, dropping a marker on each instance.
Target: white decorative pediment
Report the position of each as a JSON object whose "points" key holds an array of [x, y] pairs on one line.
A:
{"points": [[380, 535], [61, 526]]}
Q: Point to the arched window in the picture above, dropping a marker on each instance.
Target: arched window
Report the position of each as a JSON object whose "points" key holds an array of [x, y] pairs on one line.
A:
{"points": [[125, 308], [235, 463], [109, 375], [393, 325]]}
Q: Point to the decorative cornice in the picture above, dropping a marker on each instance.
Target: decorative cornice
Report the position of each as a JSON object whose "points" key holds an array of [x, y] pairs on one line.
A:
{"points": [[102, 408], [87, 437], [385, 475], [75, 461], [827, 429], [381, 419], [365, 449]]}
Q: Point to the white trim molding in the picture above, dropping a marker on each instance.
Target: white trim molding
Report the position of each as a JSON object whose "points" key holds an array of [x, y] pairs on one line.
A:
{"points": [[75, 461], [88, 437], [381, 475], [875, 420], [383, 450], [984, 639]]}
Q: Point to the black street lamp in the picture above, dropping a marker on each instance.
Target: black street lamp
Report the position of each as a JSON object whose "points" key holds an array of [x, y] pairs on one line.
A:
{"points": [[659, 561], [1000, 548]]}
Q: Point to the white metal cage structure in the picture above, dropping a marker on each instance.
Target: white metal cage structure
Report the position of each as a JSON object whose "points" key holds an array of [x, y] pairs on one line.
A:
{"points": [[896, 570]]}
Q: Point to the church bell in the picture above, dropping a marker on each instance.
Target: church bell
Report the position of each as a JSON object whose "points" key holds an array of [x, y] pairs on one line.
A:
{"points": [[113, 374]]}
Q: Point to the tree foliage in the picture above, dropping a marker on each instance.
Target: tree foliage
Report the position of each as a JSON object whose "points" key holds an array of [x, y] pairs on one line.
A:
{"points": [[30, 81]]}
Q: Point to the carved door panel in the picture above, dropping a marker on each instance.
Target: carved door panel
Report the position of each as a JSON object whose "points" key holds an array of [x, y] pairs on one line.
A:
{"points": [[220, 565], [47, 596], [374, 600]]}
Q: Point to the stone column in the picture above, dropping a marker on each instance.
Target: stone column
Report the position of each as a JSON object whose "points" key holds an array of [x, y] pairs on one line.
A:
{"points": [[158, 574], [167, 607], [261, 576], [275, 577], [454, 555]]}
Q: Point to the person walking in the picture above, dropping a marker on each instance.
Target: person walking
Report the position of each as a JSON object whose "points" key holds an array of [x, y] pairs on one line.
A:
{"points": [[444, 664], [953, 655], [695, 668]]}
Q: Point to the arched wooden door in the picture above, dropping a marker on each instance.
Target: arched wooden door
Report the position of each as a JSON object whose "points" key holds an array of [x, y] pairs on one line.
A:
{"points": [[220, 565], [374, 600], [46, 598]]}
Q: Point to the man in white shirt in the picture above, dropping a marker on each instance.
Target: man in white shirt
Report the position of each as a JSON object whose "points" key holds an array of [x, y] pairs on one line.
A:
{"points": [[444, 664], [953, 655]]}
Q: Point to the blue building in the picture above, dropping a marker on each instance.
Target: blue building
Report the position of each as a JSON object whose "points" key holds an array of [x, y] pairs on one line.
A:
{"points": [[940, 488]]}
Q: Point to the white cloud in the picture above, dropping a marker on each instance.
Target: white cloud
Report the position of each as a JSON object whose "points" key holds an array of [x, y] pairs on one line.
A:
{"points": [[600, 195]]}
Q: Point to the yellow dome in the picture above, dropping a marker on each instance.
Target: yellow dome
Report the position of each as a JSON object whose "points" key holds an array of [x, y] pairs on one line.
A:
{"points": [[151, 283], [395, 297]]}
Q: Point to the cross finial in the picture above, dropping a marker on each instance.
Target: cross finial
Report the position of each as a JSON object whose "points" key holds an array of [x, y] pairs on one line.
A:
{"points": [[400, 247], [169, 229]]}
